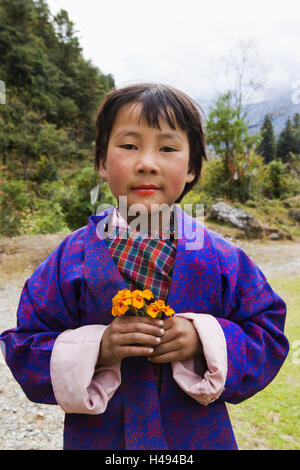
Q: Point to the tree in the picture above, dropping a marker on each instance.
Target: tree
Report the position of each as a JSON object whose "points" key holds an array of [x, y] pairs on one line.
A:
{"points": [[267, 146], [245, 74], [275, 185], [227, 132], [296, 132], [228, 135], [286, 142], [50, 86], [68, 45]]}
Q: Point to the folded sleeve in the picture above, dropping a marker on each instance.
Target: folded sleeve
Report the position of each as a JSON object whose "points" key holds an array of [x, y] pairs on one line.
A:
{"points": [[252, 320], [244, 345], [48, 305], [78, 386], [203, 376]]}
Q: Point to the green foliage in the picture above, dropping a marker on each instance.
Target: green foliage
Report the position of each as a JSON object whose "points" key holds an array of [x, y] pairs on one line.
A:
{"points": [[275, 185], [75, 198], [46, 170], [296, 133], [267, 146], [47, 217], [228, 133], [216, 183], [52, 95], [194, 197], [52, 92], [289, 139], [14, 202], [239, 172], [230, 175], [44, 206]]}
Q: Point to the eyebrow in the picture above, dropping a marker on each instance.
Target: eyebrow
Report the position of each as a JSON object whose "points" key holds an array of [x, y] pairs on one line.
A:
{"points": [[168, 135]]}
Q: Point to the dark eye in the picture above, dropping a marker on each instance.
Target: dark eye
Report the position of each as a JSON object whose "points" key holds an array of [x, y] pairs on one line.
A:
{"points": [[128, 146], [168, 149]]}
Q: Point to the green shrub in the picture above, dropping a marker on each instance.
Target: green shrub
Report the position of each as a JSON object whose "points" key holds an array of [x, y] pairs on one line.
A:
{"points": [[14, 205], [48, 217], [46, 170], [275, 183], [75, 199], [197, 197]]}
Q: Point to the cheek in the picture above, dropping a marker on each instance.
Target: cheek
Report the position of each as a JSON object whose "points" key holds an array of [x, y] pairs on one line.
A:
{"points": [[118, 171], [177, 174]]}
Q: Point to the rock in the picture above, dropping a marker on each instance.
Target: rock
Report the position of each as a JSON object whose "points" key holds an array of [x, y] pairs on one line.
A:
{"points": [[238, 218], [295, 214], [275, 236], [293, 201], [274, 233]]}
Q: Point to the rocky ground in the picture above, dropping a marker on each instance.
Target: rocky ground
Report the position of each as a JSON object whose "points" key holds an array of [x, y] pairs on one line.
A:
{"points": [[25, 425]]}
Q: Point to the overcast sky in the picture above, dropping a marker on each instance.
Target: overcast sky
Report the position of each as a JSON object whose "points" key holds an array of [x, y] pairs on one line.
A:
{"points": [[183, 42]]}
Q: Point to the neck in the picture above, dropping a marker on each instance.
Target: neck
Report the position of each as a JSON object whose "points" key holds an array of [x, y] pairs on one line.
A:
{"points": [[157, 221]]}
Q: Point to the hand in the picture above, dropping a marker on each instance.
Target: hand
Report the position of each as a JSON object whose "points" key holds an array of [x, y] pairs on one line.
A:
{"points": [[127, 337], [180, 341]]}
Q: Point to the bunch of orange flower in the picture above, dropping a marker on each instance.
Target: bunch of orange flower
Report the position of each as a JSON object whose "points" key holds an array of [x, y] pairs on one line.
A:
{"points": [[141, 303]]}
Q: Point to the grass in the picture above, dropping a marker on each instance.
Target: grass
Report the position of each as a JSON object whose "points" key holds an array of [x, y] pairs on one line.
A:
{"points": [[271, 419]]}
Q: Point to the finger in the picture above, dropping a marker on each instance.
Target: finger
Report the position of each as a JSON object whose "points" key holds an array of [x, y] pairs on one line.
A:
{"points": [[147, 320], [138, 338], [135, 325], [165, 348], [168, 323], [169, 335], [132, 351], [163, 358]]}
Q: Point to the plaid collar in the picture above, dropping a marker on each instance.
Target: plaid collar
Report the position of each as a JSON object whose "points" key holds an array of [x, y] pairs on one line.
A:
{"points": [[145, 262], [117, 225]]}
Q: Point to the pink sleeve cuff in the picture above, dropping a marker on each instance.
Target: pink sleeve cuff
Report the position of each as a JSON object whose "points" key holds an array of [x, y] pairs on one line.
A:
{"points": [[77, 386], [204, 380]]}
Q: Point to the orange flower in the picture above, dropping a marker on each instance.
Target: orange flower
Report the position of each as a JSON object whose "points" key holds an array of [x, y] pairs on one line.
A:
{"points": [[125, 300], [147, 294], [153, 310], [168, 311], [122, 296], [119, 309], [137, 299], [156, 308], [121, 302]]}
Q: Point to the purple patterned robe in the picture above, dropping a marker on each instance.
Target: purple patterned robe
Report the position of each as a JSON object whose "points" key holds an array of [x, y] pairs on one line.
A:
{"points": [[74, 287]]}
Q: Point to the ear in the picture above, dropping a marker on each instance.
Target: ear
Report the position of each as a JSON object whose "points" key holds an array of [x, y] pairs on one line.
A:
{"points": [[190, 176], [103, 170]]}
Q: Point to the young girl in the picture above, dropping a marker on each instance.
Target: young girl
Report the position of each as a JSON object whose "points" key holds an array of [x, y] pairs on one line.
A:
{"points": [[140, 383]]}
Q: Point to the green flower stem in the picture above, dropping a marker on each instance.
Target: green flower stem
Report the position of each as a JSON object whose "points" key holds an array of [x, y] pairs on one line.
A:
{"points": [[144, 310], [134, 310]]}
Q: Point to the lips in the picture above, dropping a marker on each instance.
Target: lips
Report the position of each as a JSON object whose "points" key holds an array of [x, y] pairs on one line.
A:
{"points": [[145, 190], [146, 186]]}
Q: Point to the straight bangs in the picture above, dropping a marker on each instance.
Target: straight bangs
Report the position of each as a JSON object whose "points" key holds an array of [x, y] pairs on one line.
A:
{"points": [[161, 102], [156, 106]]}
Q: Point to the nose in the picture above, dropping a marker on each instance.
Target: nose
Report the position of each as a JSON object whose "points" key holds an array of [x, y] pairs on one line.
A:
{"points": [[146, 163]]}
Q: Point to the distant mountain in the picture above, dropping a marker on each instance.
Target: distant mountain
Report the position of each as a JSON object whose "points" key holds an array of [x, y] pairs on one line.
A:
{"points": [[280, 106]]}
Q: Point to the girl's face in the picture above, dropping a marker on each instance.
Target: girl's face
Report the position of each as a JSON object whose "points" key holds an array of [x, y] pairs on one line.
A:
{"points": [[138, 155]]}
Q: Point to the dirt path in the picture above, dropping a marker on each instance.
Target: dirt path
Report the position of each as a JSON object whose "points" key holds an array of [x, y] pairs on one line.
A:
{"points": [[26, 425]]}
